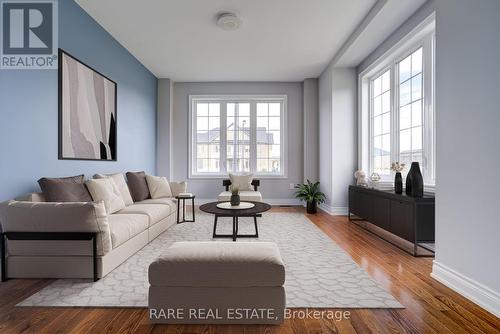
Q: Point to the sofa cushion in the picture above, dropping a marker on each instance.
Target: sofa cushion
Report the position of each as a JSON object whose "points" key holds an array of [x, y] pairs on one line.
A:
{"points": [[107, 191], [172, 202], [218, 264], [241, 181], [158, 186], [138, 186], [126, 226], [254, 196], [155, 212], [122, 186], [65, 189]]}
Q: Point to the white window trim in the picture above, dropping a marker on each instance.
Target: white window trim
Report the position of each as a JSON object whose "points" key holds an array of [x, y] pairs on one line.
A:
{"points": [[253, 99], [416, 38]]}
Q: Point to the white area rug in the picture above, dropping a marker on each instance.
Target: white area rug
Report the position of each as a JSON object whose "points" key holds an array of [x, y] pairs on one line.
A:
{"points": [[318, 272]]}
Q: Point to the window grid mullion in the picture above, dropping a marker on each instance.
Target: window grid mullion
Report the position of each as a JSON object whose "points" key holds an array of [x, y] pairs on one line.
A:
{"points": [[223, 138], [395, 114], [253, 137]]}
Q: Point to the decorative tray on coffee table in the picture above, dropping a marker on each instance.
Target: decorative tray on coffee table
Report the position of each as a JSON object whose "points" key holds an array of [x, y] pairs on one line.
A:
{"points": [[228, 206]]}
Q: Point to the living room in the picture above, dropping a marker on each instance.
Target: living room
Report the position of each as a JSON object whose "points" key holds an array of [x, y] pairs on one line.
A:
{"points": [[249, 166]]}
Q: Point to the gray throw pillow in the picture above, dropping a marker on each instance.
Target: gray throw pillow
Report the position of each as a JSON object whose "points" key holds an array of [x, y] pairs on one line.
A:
{"points": [[138, 186], [65, 189]]}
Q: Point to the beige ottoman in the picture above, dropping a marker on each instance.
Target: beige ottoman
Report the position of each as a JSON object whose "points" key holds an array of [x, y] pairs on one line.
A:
{"points": [[218, 283]]}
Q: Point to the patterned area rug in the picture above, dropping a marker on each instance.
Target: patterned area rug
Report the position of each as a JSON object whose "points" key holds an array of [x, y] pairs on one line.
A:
{"points": [[318, 272]]}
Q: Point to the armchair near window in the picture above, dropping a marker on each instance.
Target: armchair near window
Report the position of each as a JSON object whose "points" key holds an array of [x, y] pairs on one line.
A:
{"points": [[245, 195]]}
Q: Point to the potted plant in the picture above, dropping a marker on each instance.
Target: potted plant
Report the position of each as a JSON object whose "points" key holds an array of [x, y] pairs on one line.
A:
{"points": [[310, 193], [235, 196]]}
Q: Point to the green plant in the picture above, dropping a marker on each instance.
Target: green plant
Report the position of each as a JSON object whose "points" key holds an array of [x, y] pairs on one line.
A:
{"points": [[234, 190], [309, 192]]}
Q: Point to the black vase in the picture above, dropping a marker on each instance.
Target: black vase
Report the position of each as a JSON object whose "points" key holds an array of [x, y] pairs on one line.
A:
{"points": [[311, 207], [235, 200], [415, 181], [398, 183]]}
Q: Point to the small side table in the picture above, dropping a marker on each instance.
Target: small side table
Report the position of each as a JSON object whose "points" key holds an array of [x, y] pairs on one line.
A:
{"points": [[183, 198]]}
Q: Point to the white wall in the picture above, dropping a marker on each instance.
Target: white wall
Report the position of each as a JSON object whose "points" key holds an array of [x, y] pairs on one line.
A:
{"points": [[275, 191], [163, 127], [325, 135], [311, 124], [345, 147], [468, 149], [337, 135]]}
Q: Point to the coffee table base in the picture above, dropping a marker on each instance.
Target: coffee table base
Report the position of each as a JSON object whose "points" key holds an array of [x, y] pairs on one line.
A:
{"points": [[235, 234]]}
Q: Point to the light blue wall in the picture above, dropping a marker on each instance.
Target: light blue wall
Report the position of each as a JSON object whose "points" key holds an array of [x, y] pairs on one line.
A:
{"points": [[29, 115]]}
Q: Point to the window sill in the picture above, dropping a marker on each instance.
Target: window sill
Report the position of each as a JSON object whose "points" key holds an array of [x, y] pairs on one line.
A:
{"points": [[225, 176]]}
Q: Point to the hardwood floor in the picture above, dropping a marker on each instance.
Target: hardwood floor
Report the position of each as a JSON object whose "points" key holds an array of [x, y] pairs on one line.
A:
{"points": [[430, 306]]}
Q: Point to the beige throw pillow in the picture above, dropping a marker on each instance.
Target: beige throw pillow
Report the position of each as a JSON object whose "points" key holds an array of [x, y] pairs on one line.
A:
{"points": [[242, 181], [158, 186], [177, 187], [107, 191], [122, 186]]}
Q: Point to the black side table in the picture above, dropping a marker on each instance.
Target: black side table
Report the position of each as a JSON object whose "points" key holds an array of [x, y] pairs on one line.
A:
{"points": [[183, 199]]}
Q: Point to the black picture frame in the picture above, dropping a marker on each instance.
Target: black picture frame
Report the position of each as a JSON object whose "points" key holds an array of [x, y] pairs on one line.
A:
{"points": [[113, 138]]}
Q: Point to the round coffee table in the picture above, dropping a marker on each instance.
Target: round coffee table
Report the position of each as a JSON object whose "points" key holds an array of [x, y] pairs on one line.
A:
{"points": [[255, 211]]}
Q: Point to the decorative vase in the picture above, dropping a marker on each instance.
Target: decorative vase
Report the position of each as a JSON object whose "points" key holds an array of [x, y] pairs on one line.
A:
{"points": [[311, 207], [398, 183], [235, 200], [415, 181]]}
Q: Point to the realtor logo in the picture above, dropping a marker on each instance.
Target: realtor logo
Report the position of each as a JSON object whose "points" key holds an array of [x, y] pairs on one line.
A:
{"points": [[29, 34]]}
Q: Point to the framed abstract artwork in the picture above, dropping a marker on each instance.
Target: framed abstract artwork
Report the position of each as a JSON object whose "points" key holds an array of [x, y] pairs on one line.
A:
{"points": [[87, 112]]}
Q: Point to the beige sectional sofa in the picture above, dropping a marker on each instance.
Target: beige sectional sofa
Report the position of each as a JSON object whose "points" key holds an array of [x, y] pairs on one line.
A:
{"points": [[118, 235]]}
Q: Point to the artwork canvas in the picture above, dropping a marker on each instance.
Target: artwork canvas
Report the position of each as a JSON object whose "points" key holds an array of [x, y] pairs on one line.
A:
{"points": [[87, 112]]}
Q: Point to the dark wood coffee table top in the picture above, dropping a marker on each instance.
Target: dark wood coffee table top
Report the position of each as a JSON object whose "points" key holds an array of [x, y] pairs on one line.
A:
{"points": [[213, 209]]}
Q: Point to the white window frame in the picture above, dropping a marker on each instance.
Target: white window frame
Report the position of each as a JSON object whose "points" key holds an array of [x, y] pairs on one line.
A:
{"points": [[253, 100], [422, 36]]}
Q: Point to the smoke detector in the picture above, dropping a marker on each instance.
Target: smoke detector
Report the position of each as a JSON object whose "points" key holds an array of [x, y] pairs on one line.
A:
{"points": [[228, 21]]}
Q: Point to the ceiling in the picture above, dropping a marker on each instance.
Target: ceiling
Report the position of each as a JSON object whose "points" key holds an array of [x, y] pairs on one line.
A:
{"points": [[279, 40]]}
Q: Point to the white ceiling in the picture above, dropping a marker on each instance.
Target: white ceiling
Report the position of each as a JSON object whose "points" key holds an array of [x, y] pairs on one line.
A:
{"points": [[376, 29], [280, 40]]}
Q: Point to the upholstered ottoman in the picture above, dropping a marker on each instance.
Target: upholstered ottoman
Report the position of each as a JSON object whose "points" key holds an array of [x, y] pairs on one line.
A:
{"points": [[218, 283]]}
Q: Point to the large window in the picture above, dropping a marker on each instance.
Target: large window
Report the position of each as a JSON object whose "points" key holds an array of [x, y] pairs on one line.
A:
{"points": [[251, 140], [400, 110], [381, 123]]}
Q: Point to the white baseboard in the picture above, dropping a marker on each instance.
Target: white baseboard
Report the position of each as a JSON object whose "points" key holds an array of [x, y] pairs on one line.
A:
{"points": [[283, 201], [272, 201], [334, 210], [467, 287]]}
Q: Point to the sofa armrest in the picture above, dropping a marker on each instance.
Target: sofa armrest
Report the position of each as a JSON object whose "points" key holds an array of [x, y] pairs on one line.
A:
{"points": [[178, 187], [18, 216]]}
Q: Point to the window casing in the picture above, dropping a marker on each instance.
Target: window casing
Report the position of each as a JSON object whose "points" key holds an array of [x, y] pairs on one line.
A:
{"points": [[237, 134], [400, 103]]}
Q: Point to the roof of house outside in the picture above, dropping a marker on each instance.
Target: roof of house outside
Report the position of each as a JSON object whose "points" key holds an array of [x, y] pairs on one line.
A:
{"points": [[210, 136]]}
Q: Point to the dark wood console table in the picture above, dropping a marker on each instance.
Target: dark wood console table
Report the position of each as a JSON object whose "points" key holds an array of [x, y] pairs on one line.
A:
{"points": [[410, 218]]}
